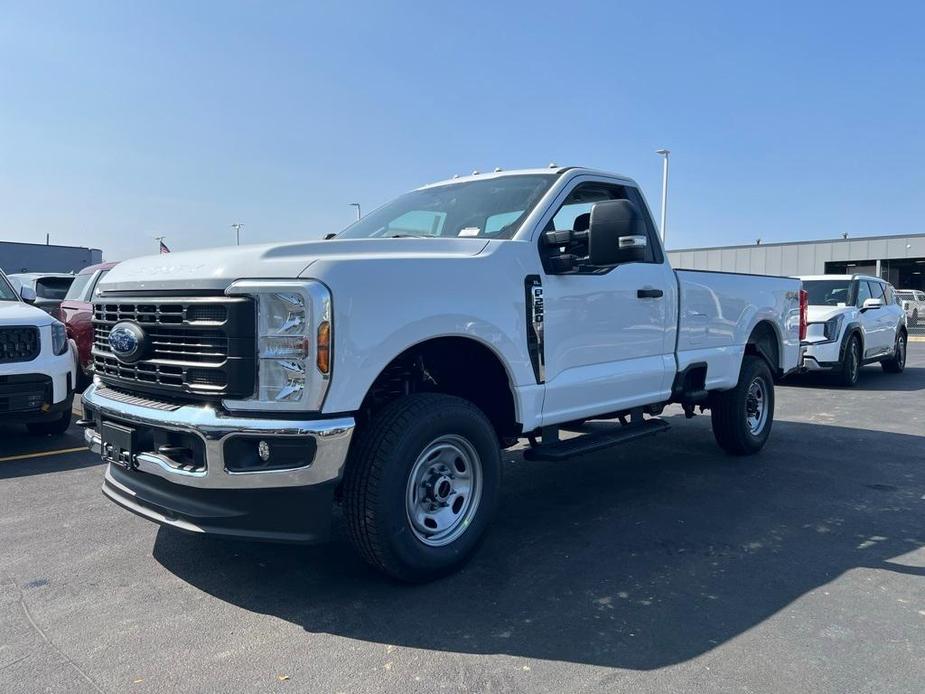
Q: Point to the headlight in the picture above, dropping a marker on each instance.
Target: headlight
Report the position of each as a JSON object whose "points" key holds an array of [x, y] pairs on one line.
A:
{"points": [[293, 344], [833, 327], [58, 338]]}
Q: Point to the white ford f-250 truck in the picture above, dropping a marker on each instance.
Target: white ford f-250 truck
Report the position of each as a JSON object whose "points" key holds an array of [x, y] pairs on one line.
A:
{"points": [[244, 391]]}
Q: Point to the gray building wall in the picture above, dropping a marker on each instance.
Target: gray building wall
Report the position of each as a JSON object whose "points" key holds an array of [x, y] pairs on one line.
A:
{"points": [[801, 258], [36, 257]]}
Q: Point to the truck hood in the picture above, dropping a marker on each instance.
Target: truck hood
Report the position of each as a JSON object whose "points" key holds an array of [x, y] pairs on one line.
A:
{"points": [[19, 313], [820, 314], [216, 268]]}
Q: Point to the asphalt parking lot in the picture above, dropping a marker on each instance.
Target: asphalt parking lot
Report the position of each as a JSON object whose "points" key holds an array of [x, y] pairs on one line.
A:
{"points": [[661, 566]]}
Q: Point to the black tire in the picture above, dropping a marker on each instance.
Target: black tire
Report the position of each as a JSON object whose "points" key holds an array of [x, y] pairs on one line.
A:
{"points": [[52, 427], [897, 363], [850, 368], [376, 484], [914, 321], [730, 409]]}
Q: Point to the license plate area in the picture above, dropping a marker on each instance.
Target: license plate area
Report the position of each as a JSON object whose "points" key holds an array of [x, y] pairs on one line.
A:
{"points": [[118, 444]]}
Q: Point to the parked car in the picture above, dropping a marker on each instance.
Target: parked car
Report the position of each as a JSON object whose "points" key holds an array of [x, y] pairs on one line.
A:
{"points": [[49, 287], [37, 364], [241, 391], [853, 320], [913, 303], [76, 312]]}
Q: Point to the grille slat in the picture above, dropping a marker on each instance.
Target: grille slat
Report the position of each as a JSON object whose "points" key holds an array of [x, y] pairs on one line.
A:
{"points": [[203, 347]]}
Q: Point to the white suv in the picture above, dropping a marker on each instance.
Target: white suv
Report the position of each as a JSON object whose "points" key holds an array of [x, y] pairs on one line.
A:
{"points": [[38, 366], [913, 303], [853, 320]]}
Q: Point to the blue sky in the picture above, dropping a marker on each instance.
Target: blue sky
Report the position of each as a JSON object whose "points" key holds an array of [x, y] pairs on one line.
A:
{"points": [[122, 121]]}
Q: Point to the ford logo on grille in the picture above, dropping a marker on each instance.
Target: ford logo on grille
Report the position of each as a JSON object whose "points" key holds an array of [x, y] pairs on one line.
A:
{"points": [[127, 341]]}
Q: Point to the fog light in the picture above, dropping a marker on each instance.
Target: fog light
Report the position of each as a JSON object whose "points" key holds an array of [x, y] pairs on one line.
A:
{"points": [[263, 450]]}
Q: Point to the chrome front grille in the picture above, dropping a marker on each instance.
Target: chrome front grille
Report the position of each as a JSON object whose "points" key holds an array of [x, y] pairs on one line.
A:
{"points": [[201, 347], [208, 346]]}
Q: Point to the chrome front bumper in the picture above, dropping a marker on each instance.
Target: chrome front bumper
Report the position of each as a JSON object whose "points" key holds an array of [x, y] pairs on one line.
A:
{"points": [[332, 439]]}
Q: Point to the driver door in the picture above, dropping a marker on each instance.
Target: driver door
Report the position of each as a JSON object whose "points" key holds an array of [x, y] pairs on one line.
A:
{"points": [[609, 332]]}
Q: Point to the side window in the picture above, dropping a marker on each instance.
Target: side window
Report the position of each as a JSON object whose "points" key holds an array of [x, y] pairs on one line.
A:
{"points": [[889, 297], [863, 293], [920, 296], [575, 211], [876, 291]]}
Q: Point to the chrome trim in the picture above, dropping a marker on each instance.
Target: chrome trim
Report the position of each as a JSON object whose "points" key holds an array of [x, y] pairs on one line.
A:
{"points": [[332, 437]]}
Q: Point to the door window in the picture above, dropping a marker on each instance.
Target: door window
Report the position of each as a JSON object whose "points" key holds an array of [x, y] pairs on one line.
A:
{"points": [[863, 293], [575, 211], [876, 291]]}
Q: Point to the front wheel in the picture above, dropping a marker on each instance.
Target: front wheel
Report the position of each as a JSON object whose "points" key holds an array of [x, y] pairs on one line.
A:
{"points": [[897, 363], [851, 363], [742, 417], [421, 486]]}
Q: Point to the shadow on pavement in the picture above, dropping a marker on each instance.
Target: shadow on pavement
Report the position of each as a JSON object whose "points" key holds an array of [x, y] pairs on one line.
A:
{"points": [[15, 441], [641, 557], [871, 378]]}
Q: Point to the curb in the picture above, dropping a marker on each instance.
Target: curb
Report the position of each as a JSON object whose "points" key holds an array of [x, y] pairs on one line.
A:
{"points": [[917, 338]]}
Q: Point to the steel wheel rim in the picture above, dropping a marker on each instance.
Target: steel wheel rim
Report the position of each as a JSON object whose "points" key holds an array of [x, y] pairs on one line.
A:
{"points": [[756, 406], [443, 491]]}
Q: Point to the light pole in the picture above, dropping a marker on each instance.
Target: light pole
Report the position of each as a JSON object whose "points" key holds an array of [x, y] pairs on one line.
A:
{"points": [[357, 205], [237, 233], [664, 153]]}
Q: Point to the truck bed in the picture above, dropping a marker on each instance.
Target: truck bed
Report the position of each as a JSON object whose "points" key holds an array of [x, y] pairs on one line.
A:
{"points": [[718, 312]]}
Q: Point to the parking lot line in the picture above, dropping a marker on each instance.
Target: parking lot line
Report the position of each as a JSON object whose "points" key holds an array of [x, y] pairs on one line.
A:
{"points": [[42, 454]]}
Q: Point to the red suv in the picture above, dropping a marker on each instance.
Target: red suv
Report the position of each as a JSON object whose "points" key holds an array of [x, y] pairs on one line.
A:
{"points": [[76, 312]]}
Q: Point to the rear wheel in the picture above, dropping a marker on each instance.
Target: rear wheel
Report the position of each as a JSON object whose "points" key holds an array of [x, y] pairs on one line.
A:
{"points": [[851, 363], [742, 417], [422, 485], [897, 363], [915, 319]]}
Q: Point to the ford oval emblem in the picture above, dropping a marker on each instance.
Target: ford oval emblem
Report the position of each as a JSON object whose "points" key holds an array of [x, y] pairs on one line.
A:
{"points": [[127, 341]]}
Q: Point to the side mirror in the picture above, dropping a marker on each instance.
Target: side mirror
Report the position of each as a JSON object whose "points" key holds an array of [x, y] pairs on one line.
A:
{"points": [[27, 294], [872, 303], [616, 234]]}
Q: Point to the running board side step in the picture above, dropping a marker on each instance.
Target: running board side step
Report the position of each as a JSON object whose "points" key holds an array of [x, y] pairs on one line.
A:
{"points": [[590, 443]]}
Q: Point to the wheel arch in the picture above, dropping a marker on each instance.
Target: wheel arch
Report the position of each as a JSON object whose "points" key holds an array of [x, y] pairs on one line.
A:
{"points": [[765, 341], [454, 365]]}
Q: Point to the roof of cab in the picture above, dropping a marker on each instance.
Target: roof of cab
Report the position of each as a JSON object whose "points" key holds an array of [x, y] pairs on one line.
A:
{"points": [[90, 269], [552, 169]]}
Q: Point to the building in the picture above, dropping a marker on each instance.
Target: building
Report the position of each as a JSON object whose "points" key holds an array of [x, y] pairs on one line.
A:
{"points": [[898, 259], [39, 257]]}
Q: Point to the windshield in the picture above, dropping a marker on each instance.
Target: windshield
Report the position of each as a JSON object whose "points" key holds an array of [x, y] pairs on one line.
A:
{"points": [[828, 292], [490, 208], [76, 290], [7, 293]]}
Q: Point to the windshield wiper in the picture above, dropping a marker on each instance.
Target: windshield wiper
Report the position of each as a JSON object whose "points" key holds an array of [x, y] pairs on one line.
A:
{"points": [[410, 236]]}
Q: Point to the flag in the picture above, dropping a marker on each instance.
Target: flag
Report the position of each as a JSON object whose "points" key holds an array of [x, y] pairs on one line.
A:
{"points": [[164, 248]]}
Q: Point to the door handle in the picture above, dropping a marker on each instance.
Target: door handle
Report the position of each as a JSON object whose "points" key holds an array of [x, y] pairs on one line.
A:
{"points": [[649, 293]]}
